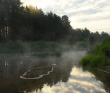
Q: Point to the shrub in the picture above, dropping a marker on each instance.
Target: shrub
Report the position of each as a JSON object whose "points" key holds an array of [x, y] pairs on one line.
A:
{"points": [[85, 60], [97, 61], [99, 57], [93, 61], [43, 45]]}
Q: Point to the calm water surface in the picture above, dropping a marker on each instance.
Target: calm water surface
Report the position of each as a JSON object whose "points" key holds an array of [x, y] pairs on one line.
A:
{"points": [[67, 76]]}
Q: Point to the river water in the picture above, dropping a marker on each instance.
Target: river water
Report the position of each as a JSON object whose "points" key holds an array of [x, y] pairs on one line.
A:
{"points": [[67, 76]]}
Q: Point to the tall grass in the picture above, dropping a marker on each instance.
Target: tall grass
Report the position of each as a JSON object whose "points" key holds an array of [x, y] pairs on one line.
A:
{"points": [[94, 61], [99, 57], [22, 47], [43, 45], [11, 47]]}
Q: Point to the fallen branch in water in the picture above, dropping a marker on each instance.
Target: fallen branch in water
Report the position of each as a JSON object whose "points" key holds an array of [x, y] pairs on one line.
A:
{"points": [[39, 72]]}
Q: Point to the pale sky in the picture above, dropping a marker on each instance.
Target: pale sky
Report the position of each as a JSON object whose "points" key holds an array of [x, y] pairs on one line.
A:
{"points": [[93, 14]]}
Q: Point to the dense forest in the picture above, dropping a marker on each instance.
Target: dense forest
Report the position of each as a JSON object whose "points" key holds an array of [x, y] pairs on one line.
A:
{"points": [[27, 23]]}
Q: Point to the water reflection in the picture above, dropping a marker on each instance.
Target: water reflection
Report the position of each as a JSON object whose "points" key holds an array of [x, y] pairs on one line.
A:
{"points": [[79, 82], [12, 67], [66, 77], [103, 77]]}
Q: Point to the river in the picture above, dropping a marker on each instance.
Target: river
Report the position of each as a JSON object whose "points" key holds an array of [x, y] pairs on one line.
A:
{"points": [[67, 76]]}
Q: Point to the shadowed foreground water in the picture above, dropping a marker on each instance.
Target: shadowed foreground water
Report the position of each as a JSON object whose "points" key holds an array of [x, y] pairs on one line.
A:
{"points": [[67, 76]]}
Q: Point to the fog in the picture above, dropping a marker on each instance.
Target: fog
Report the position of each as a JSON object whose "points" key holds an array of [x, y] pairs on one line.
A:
{"points": [[27, 61], [67, 74]]}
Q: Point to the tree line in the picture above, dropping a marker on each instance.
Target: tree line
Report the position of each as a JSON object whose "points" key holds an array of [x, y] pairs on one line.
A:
{"points": [[27, 23]]}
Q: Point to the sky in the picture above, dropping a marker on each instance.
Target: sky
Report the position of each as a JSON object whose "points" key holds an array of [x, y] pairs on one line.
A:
{"points": [[92, 14]]}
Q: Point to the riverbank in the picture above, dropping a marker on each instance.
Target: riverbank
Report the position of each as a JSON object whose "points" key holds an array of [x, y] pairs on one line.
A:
{"points": [[37, 48], [27, 47], [99, 56]]}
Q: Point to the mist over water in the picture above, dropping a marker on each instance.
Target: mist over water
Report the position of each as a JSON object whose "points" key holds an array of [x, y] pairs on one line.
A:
{"points": [[67, 76]]}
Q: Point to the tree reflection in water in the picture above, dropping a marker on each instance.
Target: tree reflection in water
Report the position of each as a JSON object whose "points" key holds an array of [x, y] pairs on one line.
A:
{"points": [[66, 77], [11, 69]]}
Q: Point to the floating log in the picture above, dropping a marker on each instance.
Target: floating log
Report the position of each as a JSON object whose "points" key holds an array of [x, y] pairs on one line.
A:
{"points": [[37, 73]]}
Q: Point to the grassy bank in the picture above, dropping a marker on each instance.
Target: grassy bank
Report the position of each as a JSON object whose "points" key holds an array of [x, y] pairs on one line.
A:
{"points": [[99, 56], [28, 47], [37, 46]]}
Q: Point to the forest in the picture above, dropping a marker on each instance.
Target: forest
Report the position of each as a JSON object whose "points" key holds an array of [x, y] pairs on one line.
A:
{"points": [[28, 23]]}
